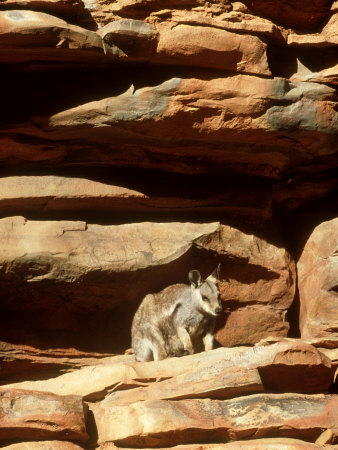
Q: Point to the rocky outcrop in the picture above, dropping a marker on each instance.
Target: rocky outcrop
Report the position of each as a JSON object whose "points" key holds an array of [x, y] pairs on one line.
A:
{"points": [[197, 387], [318, 275], [61, 260], [141, 139]]}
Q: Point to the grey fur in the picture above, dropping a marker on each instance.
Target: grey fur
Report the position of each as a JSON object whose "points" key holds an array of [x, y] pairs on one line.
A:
{"points": [[178, 320]]}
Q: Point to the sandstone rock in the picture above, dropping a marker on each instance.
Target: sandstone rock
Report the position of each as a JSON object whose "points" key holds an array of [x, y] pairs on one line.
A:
{"points": [[262, 300], [62, 260], [212, 48], [38, 416], [43, 445], [318, 272], [326, 437], [312, 40], [48, 37], [248, 325], [160, 423], [23, 362], [63, 8], [291, 13], [228, 383], [137, 39], [251, 444], [93, 382], [67, 251], [220, 372], [239, 20], [228, 116], [51, 195]]}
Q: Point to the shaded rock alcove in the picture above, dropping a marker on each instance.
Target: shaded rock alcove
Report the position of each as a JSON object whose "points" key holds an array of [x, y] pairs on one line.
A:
{"points": [[141, 139]]}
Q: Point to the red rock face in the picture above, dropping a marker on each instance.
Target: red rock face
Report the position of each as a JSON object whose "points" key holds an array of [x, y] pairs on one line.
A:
{"points": [[141, 139], [318, 275]]}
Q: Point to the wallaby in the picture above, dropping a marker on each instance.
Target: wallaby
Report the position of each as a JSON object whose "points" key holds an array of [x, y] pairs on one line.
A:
{"points": [[178, 320]]}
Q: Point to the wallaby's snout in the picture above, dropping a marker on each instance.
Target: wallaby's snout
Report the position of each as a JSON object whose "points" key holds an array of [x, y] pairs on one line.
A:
{"points": [[218, 311]]}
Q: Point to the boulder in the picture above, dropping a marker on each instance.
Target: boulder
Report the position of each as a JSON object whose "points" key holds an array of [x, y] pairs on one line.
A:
{"points": [[160, 423], [137, 39], [204, 46], [318, 280], [29, 415], [258, 295]]}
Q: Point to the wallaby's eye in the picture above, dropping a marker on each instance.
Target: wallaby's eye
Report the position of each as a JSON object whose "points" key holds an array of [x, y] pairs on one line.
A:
{"points": [[205, 299]]}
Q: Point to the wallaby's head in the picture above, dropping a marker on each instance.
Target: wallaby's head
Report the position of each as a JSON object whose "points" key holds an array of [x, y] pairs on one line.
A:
{"points": [[205, 292]]}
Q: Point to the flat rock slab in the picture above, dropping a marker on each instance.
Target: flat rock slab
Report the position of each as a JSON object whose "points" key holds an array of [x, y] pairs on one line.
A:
{"points": [[57, 195], [43, 445], [22, 362], [220, 373], [224, 384], [41, 416], [251, 444], [160, 423]]}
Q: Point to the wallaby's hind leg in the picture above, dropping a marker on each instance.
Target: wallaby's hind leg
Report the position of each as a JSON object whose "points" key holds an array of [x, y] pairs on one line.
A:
{"points": [[150, 347], [158, 345], [185, 339]]}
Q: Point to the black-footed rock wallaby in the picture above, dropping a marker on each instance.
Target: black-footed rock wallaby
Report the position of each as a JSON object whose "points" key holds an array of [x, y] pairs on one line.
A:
{"points": [[177, 320]]}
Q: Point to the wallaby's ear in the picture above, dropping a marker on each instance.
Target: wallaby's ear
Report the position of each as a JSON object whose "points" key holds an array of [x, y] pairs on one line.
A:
{"points": [[195, 278], [214, 277]]}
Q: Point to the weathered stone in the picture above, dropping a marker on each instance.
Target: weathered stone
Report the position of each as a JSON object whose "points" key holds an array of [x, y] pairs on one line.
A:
{"points": [[43, 445], [50, 195], [137, 39], [238, 110], [47, 37], [291, 13], [312, 40], [67, 251], [239, 20], [41, 415], [22, 362], [260, 293], [159, 423], [93, 382], [64, 8], [327, 437], [212, 48], [318, 280], [62, 260], [251, 444], [250, 324], [228, 383], [220, 372]]}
